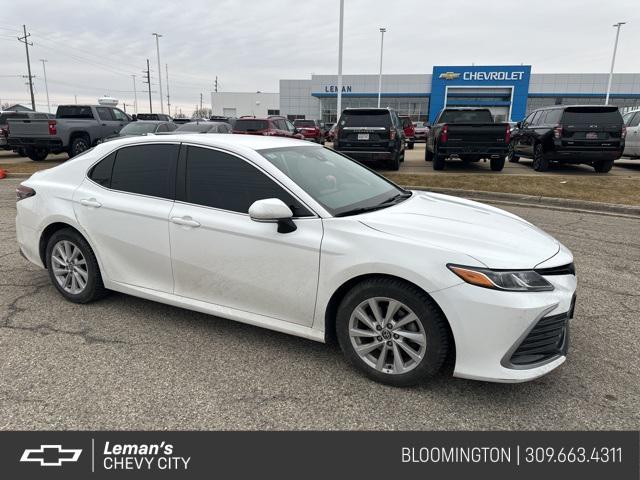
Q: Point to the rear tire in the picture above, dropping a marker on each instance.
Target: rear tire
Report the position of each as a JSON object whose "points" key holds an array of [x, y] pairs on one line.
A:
{"points": [[86, 270], [37, 154], [603, 166], [394, 163], [416, 352], [428, 154], [497, 164], [511, 155], [439, 161], [540, 162]]}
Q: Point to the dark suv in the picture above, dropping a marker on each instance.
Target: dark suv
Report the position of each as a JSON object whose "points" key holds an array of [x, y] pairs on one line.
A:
{"points": [[589, 134], [371, 134]]}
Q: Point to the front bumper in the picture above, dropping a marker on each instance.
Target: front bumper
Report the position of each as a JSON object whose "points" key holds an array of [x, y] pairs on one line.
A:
{"points": [[489, 326]]}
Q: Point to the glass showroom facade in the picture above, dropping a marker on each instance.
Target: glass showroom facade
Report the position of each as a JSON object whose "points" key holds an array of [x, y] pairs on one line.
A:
{"points": [[509, 91]]}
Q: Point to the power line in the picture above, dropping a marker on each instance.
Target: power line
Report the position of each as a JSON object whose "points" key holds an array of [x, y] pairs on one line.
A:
{"points": [[26, 42]]}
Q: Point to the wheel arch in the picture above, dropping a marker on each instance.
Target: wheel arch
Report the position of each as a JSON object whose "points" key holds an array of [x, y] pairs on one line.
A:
{"points": [[79, 133], [57, 225], [337, 296]]}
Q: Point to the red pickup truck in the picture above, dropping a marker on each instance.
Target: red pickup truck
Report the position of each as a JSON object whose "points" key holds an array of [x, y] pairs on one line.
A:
{"points": [[409, 130]]}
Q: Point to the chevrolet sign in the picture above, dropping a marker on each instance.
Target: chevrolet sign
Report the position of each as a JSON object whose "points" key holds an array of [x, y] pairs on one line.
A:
{"points": [[492, 75], [449, 75]]}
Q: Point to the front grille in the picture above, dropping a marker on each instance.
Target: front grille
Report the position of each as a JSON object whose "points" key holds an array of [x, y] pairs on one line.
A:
{"points": [[548, 339], [569, 269]]}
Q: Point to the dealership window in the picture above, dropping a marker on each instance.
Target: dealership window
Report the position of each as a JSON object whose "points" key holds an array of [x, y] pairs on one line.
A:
{"points": [[273, 112], [220, 180], [146, 170]]}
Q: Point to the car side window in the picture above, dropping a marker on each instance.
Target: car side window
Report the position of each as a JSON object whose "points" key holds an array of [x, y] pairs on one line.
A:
{"points": [[171, 127], [635, 121], [146, 170], [535, 118], [101, 171], [162, 128], [119, 115], [220, 180], [290, 126], [553, 116], [104, 113]]}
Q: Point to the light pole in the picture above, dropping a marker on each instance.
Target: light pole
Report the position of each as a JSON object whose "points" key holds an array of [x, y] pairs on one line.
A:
{"points": [[339, 105], [46, 86], [157, 35], [382, 30], [613, 60]]}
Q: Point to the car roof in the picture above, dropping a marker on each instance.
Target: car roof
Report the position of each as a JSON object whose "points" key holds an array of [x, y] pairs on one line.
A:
{"points": [[252, 142]]}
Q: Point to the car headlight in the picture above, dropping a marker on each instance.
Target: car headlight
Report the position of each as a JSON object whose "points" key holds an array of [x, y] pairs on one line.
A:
{"points": [[509, 280]]}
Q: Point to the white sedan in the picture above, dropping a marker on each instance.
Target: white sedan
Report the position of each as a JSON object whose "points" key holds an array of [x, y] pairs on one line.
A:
{"points": [[297, 238]]}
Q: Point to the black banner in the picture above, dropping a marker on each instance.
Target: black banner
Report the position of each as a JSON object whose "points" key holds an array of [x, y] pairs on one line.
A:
{"points": [[326, 455]]}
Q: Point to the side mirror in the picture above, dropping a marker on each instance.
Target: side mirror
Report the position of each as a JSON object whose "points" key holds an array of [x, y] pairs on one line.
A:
{"points": [[518, 124], [273, 210]]}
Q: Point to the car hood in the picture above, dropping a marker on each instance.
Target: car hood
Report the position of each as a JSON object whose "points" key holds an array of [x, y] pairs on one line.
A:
{"points": [[494, 237]]}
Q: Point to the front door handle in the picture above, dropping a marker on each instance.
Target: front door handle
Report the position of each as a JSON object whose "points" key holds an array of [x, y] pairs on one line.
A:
{"points": [[90, 202], [185, 221]]}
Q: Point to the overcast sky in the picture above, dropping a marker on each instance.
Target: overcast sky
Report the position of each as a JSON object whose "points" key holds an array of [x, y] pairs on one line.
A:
{"points": [[93, 47]]}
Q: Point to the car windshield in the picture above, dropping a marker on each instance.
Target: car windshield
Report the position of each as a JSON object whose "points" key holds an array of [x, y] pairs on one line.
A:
{"points": [[137, 128], [466, 116], [304, 123], [339, 184]]}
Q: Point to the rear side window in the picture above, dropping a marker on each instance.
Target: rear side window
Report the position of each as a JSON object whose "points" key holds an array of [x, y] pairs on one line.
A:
{"points": [[635, 121], [219, 180], [582, 115], [146, 170], [74, 111], [101, 172], [366, 118], [4, 117], [553, 117], [250, 125]]}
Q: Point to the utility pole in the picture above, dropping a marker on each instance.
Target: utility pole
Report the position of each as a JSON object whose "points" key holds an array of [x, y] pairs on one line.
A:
{"points": [[168, 98], [613, 60], [215, 85], [200, 104], [339, 105], [46, 85], [382, 30], [157, 35], [26, 46], [135, 95], [147, 80]]}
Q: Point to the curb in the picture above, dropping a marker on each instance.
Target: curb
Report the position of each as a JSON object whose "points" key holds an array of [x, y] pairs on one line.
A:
{"points": [[536, 200]]}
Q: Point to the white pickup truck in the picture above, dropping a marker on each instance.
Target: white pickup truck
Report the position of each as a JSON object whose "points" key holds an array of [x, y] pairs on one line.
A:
{"points": [[74, 129]]}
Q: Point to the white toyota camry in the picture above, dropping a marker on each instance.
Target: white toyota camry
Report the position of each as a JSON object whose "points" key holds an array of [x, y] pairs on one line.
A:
{"points": [[297, 238]]}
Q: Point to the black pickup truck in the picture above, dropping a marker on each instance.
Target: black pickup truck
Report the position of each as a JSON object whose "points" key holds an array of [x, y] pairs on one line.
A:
{"points": [[469, 134]]}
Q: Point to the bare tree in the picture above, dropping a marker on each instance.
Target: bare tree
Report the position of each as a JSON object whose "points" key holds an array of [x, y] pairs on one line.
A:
{"points": [[202, 113]]}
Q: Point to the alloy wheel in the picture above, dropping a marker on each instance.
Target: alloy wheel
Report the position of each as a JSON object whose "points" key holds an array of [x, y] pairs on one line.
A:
{"points": [[69, 267], [387, 335]]}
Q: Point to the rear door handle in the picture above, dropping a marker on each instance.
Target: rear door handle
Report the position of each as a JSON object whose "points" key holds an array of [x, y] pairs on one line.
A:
{"points": [[185, 221], [90, 202]]}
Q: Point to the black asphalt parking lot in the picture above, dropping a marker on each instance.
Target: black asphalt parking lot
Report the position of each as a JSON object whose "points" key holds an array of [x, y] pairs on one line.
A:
{"points": [[127, 363]]}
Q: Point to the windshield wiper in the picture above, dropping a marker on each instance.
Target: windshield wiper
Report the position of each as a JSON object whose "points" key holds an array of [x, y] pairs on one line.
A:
{"points": [[387, 203]]}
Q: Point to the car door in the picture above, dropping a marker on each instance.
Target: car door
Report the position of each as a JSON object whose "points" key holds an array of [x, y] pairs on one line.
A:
{"points": [[528, 133], [123, 205], [221, 256], [632, 142], [109, 126]]}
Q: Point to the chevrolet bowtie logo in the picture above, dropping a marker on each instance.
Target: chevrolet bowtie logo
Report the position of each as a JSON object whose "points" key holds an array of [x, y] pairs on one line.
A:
{"points": [[449, 75], [50, 455]]}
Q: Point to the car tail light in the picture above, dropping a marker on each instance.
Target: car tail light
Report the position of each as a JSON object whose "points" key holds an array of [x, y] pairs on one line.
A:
{"points": [[557, 131], [507, 134], [53, 129], [392, 134], [23, 192], [444, 134], [623, 132]]}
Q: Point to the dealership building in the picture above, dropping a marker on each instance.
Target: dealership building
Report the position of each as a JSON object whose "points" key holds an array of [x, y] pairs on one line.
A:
{"points": [[509, 91]]}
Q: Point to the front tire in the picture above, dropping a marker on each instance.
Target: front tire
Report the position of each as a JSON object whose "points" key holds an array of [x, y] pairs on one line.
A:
{"points": [[73, 268], [428, 154], [511, 154], [410, 145], [392, 331], [603, 166], [439, 160], [394, 163]]}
